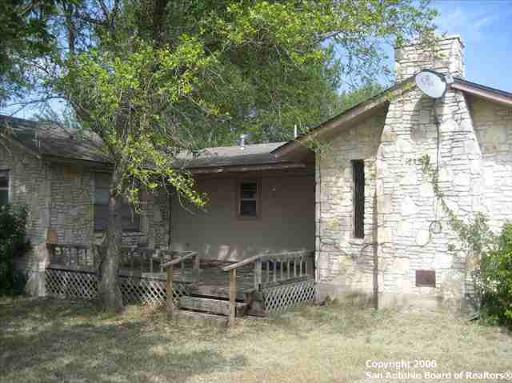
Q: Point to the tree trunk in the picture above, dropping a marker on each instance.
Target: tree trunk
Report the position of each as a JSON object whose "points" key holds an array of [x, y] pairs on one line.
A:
{"points": [[109, 292]]}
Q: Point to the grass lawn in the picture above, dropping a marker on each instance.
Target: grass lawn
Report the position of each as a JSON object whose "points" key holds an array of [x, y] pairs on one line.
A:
{"points": [[44, 340]]}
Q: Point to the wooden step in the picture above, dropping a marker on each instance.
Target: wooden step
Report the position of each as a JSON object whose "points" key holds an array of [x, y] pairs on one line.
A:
{"points": [[215, 291], [187, 315], [210, 305]]}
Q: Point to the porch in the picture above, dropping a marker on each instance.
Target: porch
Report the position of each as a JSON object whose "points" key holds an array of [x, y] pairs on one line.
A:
{"points": [[187, 284]]}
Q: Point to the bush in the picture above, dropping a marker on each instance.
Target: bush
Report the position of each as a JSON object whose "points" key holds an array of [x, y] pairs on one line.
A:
{"points": [[13, 243], [496, 274]]}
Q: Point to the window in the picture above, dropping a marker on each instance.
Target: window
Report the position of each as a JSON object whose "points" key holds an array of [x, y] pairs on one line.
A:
{"points": [[358, 197], [248, 199], [4, 187], [129, 219]]}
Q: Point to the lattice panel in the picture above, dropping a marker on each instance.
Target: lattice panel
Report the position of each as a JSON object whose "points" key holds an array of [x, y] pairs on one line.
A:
{"points": [[71, 284], [283, 297], [135, 290]]}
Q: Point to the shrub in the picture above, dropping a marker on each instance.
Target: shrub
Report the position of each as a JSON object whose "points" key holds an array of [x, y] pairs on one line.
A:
{"points": [[496, 274], [13, 243]]}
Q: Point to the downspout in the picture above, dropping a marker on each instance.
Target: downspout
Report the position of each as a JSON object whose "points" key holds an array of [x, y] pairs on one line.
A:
{"points": [[375, 250]]}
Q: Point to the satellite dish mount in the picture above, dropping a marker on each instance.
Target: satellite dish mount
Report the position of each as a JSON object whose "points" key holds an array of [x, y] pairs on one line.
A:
{"points": [[433, 84]]}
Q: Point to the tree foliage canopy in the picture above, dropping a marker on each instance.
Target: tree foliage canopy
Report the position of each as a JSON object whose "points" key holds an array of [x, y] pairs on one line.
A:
{"points": [[154, 77]]}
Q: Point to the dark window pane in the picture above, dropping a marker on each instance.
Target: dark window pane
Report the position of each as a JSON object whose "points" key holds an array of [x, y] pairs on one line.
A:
{"points": [[358, 197], [130, 220], [100, 217], [102, 180], [248, 208], [248, 190], [4, 182], [4, 197], [101, 196]]}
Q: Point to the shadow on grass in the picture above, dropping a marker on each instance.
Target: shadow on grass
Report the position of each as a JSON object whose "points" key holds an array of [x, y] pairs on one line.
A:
{"points": [[47, 340], [335, 318]]}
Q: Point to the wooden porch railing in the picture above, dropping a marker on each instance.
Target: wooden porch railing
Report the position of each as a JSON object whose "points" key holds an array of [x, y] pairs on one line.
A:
{"points": [[270, 269], [71, 254], [169, 265], [132, 259]]}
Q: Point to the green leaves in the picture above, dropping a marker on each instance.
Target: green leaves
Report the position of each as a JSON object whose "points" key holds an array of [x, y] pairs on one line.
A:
{"points": [[153, 78], [497, 280]]}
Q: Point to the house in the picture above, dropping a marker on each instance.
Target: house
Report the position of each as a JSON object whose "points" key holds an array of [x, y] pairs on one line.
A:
{"points": [[362, 200]]}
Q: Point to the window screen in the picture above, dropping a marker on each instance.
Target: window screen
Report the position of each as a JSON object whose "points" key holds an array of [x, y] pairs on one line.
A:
{"points": [[358, 198], [129, 219], [4, 187], [248, 199]]}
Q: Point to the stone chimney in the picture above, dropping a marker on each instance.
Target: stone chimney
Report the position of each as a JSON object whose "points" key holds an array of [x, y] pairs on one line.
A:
{"points": [[446, 55]]}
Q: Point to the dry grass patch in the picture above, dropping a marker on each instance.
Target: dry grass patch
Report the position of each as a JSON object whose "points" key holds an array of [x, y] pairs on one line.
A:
{"points": [[48, 340]]}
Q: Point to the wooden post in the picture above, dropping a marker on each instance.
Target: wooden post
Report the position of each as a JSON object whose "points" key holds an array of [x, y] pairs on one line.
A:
{"points": [[171, 310], [196, 267], [257, 274], [232, 297]]}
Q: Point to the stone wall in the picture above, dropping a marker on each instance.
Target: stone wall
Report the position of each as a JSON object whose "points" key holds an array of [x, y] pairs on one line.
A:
{"points": [[29, 186], [493, 124], [60, 197], [345, 263], [414, 232], [72, 209], [468, 147], [445, 56]]}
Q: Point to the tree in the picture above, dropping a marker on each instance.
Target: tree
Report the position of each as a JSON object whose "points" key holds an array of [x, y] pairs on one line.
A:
{"points": [[154, 77], [24, 27]]}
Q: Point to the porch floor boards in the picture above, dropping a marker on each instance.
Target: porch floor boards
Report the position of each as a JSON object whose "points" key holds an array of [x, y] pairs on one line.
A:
{"points": [[213, 282]]}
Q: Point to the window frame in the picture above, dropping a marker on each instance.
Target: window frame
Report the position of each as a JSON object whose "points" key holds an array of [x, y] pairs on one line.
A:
{"points": [[8, 187], [358, 198], [137, 226], [239, 199]]}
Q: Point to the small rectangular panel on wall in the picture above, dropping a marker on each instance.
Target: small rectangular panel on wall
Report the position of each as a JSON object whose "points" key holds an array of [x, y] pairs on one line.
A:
{"points": [[425, 278]]}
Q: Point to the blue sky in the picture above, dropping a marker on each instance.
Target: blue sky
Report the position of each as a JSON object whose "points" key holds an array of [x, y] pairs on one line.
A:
{"points": [[485, 27]]}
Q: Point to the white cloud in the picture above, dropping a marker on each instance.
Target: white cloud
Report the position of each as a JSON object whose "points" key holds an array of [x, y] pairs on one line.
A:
{"points": [[469, 19]]}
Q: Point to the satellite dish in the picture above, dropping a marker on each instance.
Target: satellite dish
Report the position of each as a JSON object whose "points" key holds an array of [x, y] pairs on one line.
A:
{"points": [[431, 83]]}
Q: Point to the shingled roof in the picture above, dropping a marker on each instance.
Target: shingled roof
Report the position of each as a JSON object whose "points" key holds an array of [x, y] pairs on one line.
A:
{"points": [[53, 141]]}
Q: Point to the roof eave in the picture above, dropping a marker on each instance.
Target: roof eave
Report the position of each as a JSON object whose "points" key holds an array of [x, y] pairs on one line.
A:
{"points": [[493, 95], [246, 168], [299, 146]]}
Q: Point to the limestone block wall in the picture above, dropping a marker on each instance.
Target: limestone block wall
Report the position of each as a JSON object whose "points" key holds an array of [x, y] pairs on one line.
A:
{"points": [[29, 186], [444, 56], [414, 232], [155, 219], [61, 197], [72, 209], [493, 125], [345, 263]]}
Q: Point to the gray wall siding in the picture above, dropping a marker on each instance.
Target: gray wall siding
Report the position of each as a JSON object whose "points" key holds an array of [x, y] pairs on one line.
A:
{"points": [[286, 221]]}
